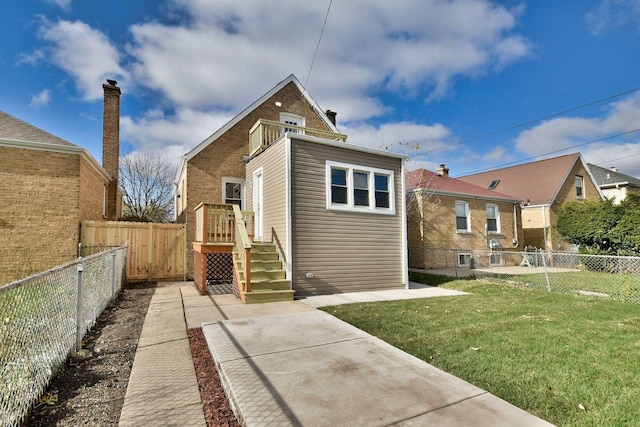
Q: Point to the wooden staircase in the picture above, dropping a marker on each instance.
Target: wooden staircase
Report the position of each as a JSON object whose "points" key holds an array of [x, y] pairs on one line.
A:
{"points": [[268, 282]]}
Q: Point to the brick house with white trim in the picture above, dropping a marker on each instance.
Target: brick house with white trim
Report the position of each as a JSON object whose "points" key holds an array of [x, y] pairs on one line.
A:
{"points": [[47, 186]]}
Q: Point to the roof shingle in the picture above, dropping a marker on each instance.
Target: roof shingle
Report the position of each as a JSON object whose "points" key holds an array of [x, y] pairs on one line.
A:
{"points": [[538, 182], [12, 128], [425, 179]]}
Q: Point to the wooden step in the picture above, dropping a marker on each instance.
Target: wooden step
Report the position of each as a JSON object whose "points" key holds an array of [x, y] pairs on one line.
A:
{"points": [[256, 297], [264, 275], [273, 285]]}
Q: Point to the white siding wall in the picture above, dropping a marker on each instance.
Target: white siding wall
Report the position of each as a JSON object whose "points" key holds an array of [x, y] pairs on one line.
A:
{"points": [[273, 162]]}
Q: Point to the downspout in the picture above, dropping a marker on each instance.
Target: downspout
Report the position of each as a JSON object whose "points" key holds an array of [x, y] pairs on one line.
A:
{"points": [[516, 242], [544, 227]]}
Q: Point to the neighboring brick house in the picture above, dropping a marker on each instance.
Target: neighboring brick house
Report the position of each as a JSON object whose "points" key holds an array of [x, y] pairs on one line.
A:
{"points": [[447, 217], [543, 186], [47, 186], [614, 185], [214, 171]]}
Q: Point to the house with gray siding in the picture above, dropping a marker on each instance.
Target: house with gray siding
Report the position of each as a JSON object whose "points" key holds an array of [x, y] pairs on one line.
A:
{"points": [[321, 216], [335, 211]]}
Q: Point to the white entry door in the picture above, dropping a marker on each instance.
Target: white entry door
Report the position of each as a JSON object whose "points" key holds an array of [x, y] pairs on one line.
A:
{"points": [[258, 203]]}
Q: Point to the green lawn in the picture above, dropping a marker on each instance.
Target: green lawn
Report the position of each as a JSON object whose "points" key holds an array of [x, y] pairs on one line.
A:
{"points": [[545, 353]]}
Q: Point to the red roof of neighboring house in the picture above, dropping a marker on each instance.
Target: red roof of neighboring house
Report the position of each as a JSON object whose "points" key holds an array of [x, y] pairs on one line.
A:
{"points": [[425, 179], [538, 182]]}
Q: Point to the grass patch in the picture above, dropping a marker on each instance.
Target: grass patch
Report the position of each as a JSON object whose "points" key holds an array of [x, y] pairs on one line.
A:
{"points": [[545, 353]]}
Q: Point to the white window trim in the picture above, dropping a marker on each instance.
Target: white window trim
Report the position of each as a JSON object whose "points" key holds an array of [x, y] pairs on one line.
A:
{"points": [[468, 215], [467, 257], [581, 179], [498, 228], [233, 180], [350, 206]]}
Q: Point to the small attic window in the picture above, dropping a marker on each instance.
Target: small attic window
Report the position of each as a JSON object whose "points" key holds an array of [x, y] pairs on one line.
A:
{"points": [[494, 184]]}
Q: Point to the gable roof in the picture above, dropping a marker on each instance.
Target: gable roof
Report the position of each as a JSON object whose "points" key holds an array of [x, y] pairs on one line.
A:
{"points": [[442, 184], [606, 178], [19, 134], [292, 78], [538, 182], [14, 129]]}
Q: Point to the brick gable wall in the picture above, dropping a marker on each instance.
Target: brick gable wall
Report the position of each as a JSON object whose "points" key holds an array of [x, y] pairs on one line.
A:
{"points": [[39, 211], [223, 157]]}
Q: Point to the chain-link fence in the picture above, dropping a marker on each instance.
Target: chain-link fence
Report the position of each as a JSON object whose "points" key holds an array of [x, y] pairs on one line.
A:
{"points": [[43, 318], [612, 277]]}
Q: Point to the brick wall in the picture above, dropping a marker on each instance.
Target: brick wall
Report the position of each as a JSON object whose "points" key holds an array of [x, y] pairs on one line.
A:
{"points": [[223, 158], [39, 208], [438, 228], [91, 194]]}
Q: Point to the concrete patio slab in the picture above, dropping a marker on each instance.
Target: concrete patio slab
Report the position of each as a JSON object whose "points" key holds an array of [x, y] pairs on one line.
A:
{"points": [[312, 369]]}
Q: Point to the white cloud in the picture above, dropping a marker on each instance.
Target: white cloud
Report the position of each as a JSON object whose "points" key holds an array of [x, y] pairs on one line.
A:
{"points": [[177, 134], [566, 132], [583, 134], [613, 13], [62, 4], [213, 59], [40, 99], [412, 139], [84, 53]]}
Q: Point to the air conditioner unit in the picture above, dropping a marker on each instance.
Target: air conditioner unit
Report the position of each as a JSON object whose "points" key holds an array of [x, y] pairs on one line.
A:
{"points": [[464, 260]]}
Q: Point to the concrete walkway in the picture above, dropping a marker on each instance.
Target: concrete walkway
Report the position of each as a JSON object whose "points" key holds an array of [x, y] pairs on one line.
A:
{"points": [[289, 364]]}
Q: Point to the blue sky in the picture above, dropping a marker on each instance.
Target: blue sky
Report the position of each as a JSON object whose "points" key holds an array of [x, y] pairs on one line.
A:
{"points": [[422, 77]]}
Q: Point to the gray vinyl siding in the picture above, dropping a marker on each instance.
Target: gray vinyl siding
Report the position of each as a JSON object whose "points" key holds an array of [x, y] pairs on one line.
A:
{"points": [[273, 161], [345, 251]]}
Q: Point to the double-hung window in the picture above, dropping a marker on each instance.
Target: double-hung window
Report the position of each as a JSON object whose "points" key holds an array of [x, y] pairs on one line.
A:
{"points": [[493, 218], [579, 187], [359, 188], [463, 219]]}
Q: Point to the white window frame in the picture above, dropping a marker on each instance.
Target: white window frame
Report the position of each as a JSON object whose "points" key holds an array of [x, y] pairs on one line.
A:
{"points": [[466, 257], [580, 179], [495, 258], [467, 214], [497, 218], [233, 180], [350, 205]]}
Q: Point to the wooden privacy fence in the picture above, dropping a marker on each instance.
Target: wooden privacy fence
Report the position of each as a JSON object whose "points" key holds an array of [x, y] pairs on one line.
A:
{"points": [[156, 251]]}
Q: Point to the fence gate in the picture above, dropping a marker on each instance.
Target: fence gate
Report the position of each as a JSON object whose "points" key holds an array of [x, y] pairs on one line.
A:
{"points": [[156, 251]]}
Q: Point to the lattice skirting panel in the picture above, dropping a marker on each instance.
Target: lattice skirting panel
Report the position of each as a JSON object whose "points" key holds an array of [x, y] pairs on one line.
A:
{"points": [[219, 268]]}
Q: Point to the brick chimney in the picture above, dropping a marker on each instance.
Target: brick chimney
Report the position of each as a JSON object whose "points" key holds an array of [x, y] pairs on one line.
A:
{"points": [[331, 115], [111, 143], [443, 170]]}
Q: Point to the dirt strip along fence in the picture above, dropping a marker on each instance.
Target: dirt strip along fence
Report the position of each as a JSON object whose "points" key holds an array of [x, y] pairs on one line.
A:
{"points": [[602, 276], [157, 252], [43, 319]]}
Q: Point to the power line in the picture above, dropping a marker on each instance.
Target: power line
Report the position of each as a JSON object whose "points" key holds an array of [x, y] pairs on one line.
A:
{"points": [[619, 158], [318, 45], [534, 120], [554, 152]]}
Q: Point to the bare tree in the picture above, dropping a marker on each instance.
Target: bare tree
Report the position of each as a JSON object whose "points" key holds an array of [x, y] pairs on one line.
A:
{"points": [[146, 179]]}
